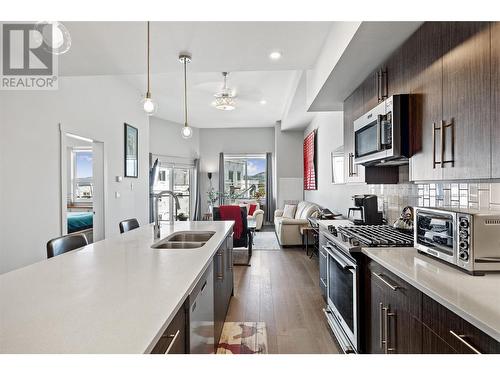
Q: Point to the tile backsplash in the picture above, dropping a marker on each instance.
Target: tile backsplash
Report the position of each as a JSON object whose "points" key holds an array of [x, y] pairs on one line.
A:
{"points": [[393, 198]]}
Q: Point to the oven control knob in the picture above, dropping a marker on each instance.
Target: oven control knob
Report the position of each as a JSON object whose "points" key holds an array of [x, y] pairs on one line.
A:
{"points": [[464, 234], [464, 255], [464, 245], [464, 223]]}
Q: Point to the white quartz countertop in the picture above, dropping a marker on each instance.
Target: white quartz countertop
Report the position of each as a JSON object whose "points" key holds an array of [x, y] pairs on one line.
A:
{"points": [[474, 298], [113, 296]]}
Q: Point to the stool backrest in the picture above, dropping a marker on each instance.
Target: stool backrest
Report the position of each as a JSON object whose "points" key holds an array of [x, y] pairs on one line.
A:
{"points": [[61, 245], [129, 224]]}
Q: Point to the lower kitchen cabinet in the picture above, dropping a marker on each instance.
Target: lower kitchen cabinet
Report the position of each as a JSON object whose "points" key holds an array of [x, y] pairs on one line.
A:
{"points": [[223, 284], [173, 340], [393, 325], [456, 332], [398, 318]]}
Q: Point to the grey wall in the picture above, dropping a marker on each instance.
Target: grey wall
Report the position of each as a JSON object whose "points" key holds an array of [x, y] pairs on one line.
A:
{"points": [[289, 165], [229, 141], [30, 202], [165, 139]]}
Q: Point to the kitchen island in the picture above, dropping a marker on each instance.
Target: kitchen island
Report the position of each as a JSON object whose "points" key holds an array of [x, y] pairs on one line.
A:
{"points": [[114, 296]]}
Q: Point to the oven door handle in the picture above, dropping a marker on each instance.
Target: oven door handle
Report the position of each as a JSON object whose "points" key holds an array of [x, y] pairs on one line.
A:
{"points": [[340, 261]]}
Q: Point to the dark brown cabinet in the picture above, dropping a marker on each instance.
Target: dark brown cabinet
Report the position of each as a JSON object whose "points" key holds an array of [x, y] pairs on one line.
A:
{"points": [[173, 340], [422, 57], [394, 326], [461, 336], [398, 318], [353, 108], [495, 100], [371, 92], [466, 100]]}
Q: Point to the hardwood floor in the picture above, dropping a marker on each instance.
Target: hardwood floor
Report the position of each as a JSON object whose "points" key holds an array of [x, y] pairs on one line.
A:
{"points": [[281, 289]]}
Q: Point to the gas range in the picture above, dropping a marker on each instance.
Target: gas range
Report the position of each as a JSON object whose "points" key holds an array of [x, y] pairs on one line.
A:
{"points": [[357, 236], [339, 274]]}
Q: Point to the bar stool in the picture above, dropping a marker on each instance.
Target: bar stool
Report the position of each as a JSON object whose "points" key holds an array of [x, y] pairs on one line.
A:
{"points": [[61, 245], [128, 225]]}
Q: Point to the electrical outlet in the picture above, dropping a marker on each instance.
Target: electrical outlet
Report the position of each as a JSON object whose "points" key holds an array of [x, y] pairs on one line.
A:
{"points": [[117, 195]]}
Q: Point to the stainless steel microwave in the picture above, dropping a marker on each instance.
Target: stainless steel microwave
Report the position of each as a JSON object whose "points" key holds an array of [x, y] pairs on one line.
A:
{"points": [[381, 136], [468, 239]]}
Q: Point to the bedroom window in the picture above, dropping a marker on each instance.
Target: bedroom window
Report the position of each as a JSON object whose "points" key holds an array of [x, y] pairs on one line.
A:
{"points": [[81, 175]]}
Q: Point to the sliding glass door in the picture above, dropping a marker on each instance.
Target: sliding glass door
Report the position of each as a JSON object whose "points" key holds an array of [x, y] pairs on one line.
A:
{"points": [[177, 179]]}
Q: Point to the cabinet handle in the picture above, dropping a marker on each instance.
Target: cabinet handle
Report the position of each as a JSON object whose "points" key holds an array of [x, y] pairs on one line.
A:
{"points": [[349, 169], [461, 338], [382, 278], [434, 162], [230, 251], [381, 324], [444, 126], [174, 339], [220, 266], [441, 128], [387, 333]]}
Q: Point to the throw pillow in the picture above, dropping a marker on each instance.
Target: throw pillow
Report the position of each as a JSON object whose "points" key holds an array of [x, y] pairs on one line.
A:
{"points": [[252, 209], [289, 211]]}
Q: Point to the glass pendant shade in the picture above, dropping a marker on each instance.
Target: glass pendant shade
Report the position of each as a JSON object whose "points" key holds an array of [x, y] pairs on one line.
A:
{"points": [[149, 106], [187, 132]]}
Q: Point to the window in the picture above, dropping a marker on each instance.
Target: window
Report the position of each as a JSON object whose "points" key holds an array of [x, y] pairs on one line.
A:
{"points": [[250, 172], [82, 187]]}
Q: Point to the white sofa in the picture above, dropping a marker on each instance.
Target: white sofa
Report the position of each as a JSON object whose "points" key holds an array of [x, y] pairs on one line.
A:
{"points": [[288, 230], [258, 214]]}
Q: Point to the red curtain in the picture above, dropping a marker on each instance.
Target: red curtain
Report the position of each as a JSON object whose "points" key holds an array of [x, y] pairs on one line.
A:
{"points": [[310, 162]]}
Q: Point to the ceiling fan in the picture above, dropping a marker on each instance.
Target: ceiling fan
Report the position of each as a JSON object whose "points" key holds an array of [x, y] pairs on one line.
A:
{"points": [[228, 98]]}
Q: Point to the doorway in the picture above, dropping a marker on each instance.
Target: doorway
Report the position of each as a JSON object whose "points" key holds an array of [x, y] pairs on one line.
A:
{"points": [[82, 186], [176, 176]]}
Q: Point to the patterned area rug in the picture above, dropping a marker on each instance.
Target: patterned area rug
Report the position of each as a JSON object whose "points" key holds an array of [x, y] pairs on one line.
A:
{"points": [[243, 338]]}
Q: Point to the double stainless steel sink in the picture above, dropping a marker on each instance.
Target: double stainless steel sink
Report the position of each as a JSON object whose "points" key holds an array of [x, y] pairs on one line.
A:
{"points": [[184, 240]]}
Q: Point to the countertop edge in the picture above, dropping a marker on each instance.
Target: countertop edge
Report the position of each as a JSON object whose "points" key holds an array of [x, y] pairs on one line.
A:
{"points": [[171, 316], [435, 296]]}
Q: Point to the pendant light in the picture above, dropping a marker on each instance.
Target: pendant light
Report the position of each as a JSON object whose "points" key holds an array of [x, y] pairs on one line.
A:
{"points": [[186, 131], [149, 106]]}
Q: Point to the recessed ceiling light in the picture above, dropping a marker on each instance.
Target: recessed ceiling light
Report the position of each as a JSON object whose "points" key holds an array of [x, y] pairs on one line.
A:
{"points": [[263, 101], [276, 55]]}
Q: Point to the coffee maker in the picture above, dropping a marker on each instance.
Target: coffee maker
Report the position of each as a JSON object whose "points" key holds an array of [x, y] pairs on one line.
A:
{"points": [[366, 210]]}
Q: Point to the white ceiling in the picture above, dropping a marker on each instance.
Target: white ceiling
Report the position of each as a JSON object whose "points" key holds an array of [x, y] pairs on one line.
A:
{"points": [[242, 48]]}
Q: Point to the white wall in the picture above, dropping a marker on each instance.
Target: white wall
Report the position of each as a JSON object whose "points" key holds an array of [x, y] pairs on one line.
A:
{"points": [[165, 139], [336, 42], [229, 141], [337, 197], [289, 165], [94, 107]]}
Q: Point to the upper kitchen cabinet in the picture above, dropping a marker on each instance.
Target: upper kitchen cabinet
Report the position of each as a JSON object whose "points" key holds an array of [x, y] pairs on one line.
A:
{"points": [[395, 70], [424, 76], [353, 108], [495, 99], [466, 100], [371, 92]]}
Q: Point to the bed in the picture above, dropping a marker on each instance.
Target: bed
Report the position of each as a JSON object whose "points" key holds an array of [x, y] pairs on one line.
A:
{"points": [[78, 221]]}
